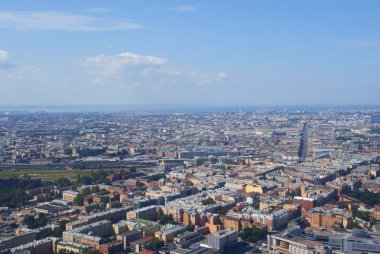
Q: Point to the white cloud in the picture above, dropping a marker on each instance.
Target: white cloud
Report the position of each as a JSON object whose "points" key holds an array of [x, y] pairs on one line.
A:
{"points": [[56, 20], [221, 76], [183, 8], [360, 43], [133, 58], [3, 54], [4, 62], [113, 64], [133, 70], [101, 77], [125, 77]]}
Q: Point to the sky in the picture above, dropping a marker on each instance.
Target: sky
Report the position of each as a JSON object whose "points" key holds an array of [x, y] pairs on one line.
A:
{"points": [[205, 52]]}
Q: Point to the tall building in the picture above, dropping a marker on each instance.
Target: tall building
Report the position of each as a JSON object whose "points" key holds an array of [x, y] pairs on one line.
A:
{"points": [[222, 239]]}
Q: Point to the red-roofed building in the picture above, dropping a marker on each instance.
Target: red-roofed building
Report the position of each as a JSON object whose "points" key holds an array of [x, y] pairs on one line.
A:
{"points": [[144, 251], [112, 247]]}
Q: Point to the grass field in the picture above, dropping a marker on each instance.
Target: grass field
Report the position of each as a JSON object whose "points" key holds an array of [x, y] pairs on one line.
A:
{"points": [[44, 174]]}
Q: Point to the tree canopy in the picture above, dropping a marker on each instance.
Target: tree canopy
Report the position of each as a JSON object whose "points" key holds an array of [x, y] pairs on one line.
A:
{"points": [[253, 234], [154, 244], [366, 196], [33, 222]]}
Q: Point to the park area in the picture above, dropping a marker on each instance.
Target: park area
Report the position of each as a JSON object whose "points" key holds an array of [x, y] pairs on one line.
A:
{"points": [[44, 174]]}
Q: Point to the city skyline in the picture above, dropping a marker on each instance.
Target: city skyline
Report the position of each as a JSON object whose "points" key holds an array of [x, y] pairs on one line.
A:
{"points": [[189, 53]]}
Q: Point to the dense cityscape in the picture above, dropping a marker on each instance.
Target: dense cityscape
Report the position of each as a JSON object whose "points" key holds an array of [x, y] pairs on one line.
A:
{"points": [[190, 127], [268, 180]]}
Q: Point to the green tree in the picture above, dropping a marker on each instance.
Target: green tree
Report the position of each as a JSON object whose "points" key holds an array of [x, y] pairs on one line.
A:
{"points": [[116, 204], [63, 182], [154, 244], [253, 234], [33, 222], [295, 192], [86, 180], [78, 200], [41, 220], [190, 227], [366, 196], [68, 151], [361, 214], [59, 230], [28, 219], [156, 177], [12, 196], [352, 224], [165, 219], [100, 176], [91, 152], [208, 201]]}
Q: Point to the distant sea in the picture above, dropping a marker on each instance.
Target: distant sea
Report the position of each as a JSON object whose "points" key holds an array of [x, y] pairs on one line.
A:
{"points": [[176, 108]]}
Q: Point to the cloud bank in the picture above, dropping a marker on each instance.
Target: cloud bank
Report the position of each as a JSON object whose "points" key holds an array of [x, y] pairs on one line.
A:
{"points": [[56, 20], [121, 78], [133, 70]]}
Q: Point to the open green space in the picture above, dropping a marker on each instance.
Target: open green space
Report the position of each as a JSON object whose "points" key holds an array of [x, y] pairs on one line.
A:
{"points": [[44, 174]]}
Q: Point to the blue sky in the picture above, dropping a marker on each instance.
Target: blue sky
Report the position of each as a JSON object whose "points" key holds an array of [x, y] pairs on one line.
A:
{"points": [[190, 52]]}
